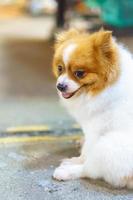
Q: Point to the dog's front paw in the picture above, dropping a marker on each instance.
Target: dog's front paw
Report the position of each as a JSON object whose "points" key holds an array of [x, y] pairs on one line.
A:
{"points": [[61, 174], [68, 172]]}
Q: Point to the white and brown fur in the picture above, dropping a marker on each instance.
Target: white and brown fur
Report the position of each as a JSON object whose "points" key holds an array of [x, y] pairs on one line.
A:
{"points": [[102, 103]]}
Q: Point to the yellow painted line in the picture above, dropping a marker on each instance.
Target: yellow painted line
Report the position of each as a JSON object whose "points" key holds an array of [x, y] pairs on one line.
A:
{"points": [[38, 138], [27, 128]]}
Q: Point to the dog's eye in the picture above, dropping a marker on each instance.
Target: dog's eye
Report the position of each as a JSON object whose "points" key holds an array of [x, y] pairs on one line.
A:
{"points": [[60, 69], [79, 73]]}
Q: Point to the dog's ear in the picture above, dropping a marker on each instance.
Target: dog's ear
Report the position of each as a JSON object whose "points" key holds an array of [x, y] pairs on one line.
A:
{"points": [[65, 35], [103, 38], [102, 41]]}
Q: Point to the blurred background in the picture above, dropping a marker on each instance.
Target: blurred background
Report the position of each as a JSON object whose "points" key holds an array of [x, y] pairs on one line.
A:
{"points": [[27, 29]]}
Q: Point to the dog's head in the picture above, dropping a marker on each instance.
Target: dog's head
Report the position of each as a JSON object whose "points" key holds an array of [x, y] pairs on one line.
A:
{"points": [[85, 62]]}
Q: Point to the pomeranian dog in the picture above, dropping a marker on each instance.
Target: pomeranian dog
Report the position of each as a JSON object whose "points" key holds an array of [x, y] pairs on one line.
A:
{"points": [[95, 83]]}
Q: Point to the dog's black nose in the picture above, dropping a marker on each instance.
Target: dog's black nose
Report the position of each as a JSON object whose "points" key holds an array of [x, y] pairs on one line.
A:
{"points": [[62, 87]]}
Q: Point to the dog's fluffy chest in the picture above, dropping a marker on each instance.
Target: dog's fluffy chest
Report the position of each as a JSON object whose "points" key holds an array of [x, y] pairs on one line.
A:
{"points": [[93, 114]]}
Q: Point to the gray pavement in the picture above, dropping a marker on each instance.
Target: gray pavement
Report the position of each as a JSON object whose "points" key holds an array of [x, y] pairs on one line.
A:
{"points": [[26, 174]]}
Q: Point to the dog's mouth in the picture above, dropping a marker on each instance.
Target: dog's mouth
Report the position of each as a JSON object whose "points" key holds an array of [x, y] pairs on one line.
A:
{"points": [[68, 95]]}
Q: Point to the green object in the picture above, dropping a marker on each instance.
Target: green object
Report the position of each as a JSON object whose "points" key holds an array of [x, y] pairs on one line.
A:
{"points": [[94, 3], [114, 12]]}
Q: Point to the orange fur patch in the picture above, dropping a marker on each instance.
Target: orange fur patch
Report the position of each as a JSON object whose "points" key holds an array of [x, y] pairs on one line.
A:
{"points": [[96, 54]]}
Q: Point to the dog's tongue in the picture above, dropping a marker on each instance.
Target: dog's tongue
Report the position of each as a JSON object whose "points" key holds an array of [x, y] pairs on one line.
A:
{"points": [[66, 95]]}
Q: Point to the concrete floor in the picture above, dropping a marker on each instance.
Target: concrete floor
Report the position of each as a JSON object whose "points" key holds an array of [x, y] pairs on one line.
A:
{"points": [[28, 97], [26, 174]]}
